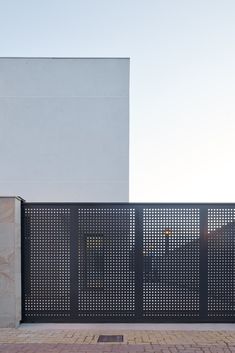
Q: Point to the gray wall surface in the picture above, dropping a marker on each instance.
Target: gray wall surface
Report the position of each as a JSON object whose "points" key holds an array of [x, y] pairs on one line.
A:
{"points": [[64, 129]]}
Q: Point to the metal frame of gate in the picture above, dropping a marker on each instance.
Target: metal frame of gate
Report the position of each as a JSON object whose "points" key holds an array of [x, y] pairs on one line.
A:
{"points": [[128, 262]]}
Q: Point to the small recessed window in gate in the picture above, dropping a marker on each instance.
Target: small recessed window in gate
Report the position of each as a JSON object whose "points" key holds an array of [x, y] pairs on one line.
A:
{"points": [[94, 258]]}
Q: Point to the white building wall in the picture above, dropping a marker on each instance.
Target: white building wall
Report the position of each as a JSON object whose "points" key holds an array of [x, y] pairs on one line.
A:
{"points": [[64, 129]]}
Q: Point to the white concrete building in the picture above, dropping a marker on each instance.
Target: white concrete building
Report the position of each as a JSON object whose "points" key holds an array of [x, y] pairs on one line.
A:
{"points": [[64, 129]]}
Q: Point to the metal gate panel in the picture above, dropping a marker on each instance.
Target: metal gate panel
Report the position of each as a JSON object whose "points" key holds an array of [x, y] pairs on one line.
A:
{"points": [[128, 262], [171, 265], [106, 276], [46, 260], [221, 264]]}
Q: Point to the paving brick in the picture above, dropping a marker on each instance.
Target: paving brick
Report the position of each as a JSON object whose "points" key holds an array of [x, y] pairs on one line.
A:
{"points": [[24, 340]]}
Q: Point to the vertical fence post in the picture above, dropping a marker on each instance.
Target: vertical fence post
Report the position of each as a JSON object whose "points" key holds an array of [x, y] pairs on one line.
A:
{"points": [[203, 270], [139, 270], [10, 261]]}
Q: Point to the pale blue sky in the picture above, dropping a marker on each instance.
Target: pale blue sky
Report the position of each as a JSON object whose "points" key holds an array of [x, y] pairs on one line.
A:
{"points": [[182, 106]]}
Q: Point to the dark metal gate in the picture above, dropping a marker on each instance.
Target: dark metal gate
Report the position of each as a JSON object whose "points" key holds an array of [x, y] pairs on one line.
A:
{"points": [[128, 262]]}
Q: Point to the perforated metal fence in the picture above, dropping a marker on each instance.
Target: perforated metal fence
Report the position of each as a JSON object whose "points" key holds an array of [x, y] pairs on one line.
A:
{"points": [[128, 262]]}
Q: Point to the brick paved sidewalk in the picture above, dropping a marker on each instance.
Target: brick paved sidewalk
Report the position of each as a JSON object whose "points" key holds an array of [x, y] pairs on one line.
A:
{"points": [[67, 341]]}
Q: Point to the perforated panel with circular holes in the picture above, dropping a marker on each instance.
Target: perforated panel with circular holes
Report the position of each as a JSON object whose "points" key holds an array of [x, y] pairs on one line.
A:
{"points": [[221, 262], [171, 262]]}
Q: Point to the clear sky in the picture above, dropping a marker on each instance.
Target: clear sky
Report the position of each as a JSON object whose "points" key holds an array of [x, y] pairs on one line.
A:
{"points": [[182, 92]]}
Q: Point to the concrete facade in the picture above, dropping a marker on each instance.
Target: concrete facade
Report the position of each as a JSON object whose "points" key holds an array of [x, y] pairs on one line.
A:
{"points": [[64, 136], [10, 261], [64, 129]]}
